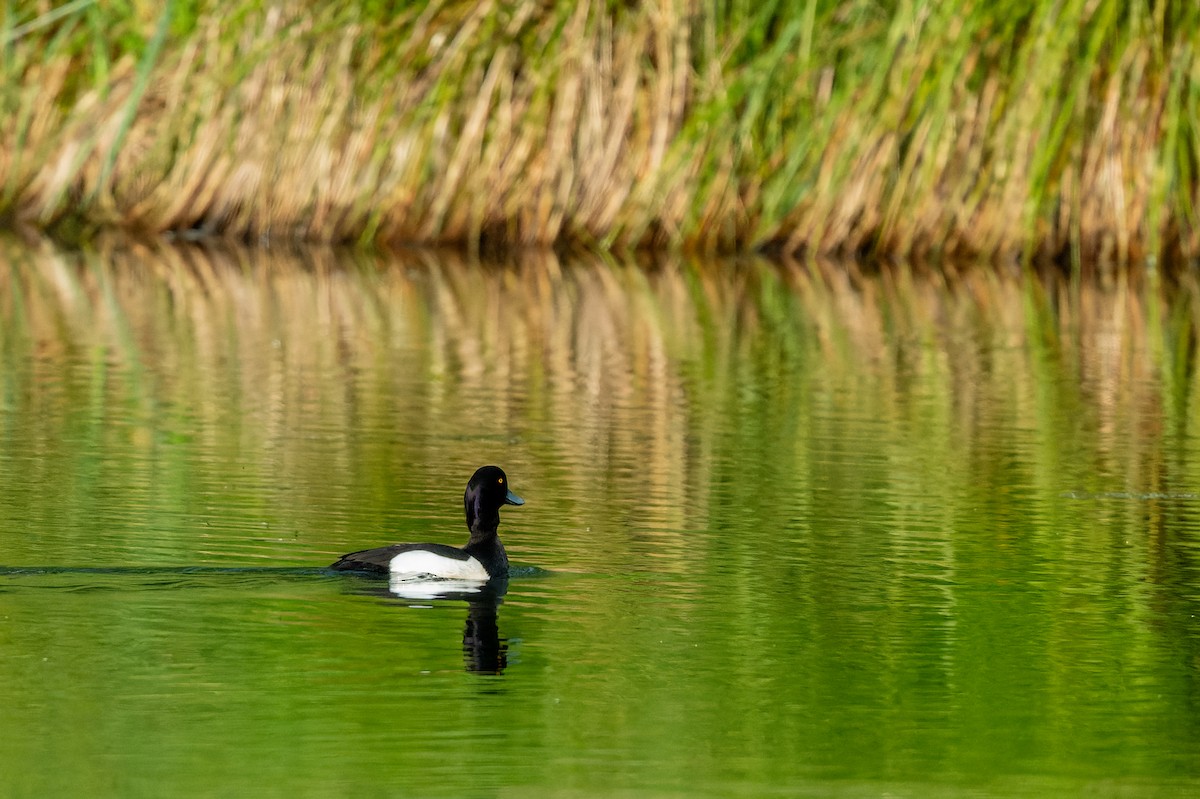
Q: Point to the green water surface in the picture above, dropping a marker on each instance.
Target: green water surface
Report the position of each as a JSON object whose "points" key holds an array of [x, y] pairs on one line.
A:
{"points": [[787, 532]]}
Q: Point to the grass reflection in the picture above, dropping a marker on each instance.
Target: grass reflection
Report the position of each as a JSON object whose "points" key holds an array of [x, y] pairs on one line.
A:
{"points": [[620, 383], [875, 525], [622, 390]]}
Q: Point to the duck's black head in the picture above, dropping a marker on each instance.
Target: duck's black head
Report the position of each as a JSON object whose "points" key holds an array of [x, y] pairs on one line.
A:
{"points": [[486, 492]]}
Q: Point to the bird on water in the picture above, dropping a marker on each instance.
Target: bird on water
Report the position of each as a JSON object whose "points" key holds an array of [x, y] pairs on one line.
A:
{"points": [[482, 558]]}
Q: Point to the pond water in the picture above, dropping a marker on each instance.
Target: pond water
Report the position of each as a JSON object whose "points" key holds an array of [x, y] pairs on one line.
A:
{"points": [[790, 530]]}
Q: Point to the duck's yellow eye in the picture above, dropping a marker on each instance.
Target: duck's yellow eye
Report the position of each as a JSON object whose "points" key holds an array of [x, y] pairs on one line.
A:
{"points": [[500, 481]]}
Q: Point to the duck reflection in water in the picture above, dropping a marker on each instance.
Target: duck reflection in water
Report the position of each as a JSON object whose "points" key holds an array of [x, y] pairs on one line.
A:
{"points": [[484, 650]]}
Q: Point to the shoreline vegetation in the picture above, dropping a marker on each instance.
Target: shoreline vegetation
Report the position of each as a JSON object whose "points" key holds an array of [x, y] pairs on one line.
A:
{"points": [[1012, 131]]}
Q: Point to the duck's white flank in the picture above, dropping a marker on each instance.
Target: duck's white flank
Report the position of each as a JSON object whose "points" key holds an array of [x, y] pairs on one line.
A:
{"points": [[419, 563]]}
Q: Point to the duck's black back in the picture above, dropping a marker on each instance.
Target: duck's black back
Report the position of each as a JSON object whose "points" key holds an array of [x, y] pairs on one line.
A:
{"points": [[380, 559]]}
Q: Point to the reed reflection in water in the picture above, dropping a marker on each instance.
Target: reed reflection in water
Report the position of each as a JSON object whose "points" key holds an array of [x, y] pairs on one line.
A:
{"points": [[824, 524]]}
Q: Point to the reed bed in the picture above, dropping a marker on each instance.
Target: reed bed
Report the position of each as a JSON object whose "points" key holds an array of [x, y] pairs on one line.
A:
{"points": [[1012, 130]]}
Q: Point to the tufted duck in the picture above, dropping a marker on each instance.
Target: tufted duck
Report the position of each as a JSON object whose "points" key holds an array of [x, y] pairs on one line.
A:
{"points": [[482, 559]]}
